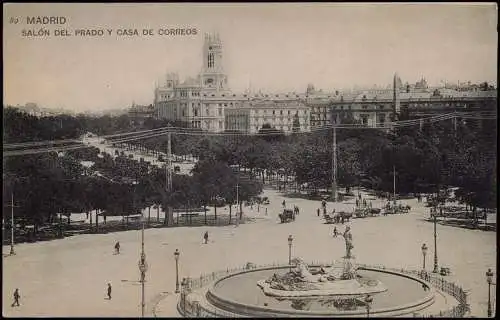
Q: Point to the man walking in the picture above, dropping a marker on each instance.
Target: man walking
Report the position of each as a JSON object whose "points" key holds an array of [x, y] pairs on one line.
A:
{"points": [[16, 298], [335, 232], [205, 236], [318, 212], [109, 291], [117, 247]]}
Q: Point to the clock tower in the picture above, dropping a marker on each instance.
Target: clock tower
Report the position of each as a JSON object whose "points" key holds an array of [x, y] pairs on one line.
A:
{"points": [[212, 75]]}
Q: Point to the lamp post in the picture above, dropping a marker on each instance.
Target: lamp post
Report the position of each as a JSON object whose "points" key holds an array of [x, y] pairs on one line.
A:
{"points": [[489, 279], [143, 267], [368, 301], [290, 240], [424, 253], [435, 245], [176, 255]]}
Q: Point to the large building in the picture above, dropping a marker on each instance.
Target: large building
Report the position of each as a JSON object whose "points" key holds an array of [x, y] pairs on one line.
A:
{"points": [[206, 102], [377, 107], [284, 113], [199, 101], [138, 114]]}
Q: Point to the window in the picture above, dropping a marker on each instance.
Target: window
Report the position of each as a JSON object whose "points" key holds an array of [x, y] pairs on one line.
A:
{"points": [[281, 112], [220, 111], [274, 112], [288, 112]]}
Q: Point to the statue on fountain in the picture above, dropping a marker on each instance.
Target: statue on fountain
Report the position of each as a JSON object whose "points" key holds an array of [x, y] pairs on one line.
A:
{"points": [[348, 242], [339, 279]]}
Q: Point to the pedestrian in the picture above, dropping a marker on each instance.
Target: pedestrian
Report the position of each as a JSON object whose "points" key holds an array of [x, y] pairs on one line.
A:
{"points": [[324, 211], [117, 247], [109, 291], [16, 298], [283, 203], [335, 232], [323, 203], [266, 211], [318, 212], [205, 236], [359, 196], [357, 203], [342, 221]]}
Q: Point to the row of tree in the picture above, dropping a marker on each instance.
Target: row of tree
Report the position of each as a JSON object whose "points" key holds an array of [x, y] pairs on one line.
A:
{"points": [[436, 156], [439, 155]]}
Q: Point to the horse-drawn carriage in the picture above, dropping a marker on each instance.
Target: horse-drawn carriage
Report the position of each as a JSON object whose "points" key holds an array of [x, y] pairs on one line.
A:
{"points": [[398, 209], [287, 215], [338, 217], [366, 212]]}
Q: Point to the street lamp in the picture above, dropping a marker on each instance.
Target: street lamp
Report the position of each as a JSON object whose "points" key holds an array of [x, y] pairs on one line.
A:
{"points": [[435, 245], [368, 301], [290, 240], [489, 279], [176, 255], [424, 253], [183, 294], [143, 267]]}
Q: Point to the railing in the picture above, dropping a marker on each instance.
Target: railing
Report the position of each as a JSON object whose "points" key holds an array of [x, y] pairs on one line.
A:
{"points": [[191, 307], [440, 283]]}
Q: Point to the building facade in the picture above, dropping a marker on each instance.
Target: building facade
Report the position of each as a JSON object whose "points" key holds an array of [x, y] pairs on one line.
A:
{"points": [[282, 113], [206, 102], [379, 107], [138, 114], [198, 101]]}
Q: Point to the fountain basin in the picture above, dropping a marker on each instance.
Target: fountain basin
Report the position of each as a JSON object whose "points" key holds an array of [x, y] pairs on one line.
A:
{"points": [[239, 293]]}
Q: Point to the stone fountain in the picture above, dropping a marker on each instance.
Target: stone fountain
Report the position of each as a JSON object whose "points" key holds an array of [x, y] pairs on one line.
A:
{"points": [[339, 280]]}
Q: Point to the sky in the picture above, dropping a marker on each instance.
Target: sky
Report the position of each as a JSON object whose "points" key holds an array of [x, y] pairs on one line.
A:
{"points": [[268, 46]]}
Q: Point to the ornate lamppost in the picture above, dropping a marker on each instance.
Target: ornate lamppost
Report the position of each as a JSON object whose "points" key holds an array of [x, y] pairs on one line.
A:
{"points": [[176, 255], [290, 240], [435, 245], [368, 301], [183, 294], [424, 253], [489, 279], [143, 267]]}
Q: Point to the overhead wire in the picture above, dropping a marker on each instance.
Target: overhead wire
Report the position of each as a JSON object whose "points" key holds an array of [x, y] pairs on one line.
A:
{"points": [[189, 131]]}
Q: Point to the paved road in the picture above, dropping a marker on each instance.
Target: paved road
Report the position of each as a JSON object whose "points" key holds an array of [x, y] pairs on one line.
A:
{"points": [[68, 277]]}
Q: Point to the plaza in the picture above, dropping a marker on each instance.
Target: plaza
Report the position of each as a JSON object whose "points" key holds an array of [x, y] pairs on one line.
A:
{"points": [[68, 277]]}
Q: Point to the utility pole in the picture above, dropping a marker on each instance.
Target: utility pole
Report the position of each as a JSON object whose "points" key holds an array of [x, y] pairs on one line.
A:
{"points": [[169, 162], [237, 198], [168, 171], [455, 123], [394, 186], [334, 165]]}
